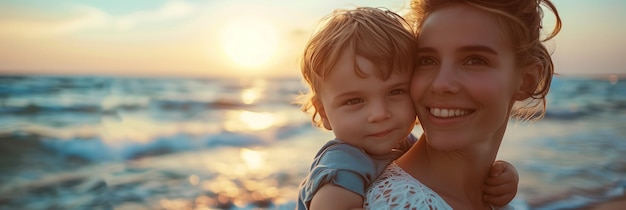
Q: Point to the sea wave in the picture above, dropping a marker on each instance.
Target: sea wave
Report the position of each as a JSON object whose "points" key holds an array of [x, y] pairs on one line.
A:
{"points": [[173, 141]]}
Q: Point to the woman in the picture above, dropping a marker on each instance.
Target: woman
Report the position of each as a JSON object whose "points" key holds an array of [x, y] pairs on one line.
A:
{"points": [[479, 63]]}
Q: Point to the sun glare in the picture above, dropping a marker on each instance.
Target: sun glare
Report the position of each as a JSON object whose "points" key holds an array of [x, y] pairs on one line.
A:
{"points": [[250, 121], [249, 96], [253, 158], [249, 42]]}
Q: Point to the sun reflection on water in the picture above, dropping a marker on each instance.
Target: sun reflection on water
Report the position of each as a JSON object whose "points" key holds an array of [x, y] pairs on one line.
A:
{"points": [[613, 79], [254, 92], [258, 121], [194, 179], [249, 96], [253, 159], [249, 121], [128, 128]]}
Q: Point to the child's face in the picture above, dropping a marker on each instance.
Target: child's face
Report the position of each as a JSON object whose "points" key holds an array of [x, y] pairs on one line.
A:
{"points": [[366, 112], [466, 81]]}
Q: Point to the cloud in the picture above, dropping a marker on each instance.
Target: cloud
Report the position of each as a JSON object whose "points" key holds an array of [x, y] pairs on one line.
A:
{"points": [[169, 11], [21, 22], [24, 26]]}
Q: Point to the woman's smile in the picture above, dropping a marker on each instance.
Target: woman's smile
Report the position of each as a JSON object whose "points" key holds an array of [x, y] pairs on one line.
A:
{"points": [[449, 113]]}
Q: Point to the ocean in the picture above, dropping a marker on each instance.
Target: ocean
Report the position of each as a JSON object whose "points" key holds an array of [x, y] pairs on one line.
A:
{"points": [[87, 142]]}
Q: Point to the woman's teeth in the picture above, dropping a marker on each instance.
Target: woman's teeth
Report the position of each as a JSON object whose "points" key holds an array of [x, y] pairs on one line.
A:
{"points": [[445, 113]]}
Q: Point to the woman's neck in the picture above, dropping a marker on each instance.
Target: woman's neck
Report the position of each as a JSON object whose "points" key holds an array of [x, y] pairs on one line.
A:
{"points": [[457, 176]]}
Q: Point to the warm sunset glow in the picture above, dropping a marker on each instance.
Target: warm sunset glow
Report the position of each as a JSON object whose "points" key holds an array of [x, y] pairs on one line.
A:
{"points": [[252, 94], [194, 179], [249, 96], [237, 38], [252, 158], [250, 42], [249, 121], [257, 121], [613, 79]]}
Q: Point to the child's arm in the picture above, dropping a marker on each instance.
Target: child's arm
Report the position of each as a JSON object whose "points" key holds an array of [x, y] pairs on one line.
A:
{"points": [[501, 186], [332, 196]]}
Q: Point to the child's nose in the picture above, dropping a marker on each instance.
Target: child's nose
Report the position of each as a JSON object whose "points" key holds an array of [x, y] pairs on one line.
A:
{"points": [[378, 111]]}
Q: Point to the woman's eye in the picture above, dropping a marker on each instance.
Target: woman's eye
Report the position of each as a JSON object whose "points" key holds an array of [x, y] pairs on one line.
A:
{"points": [[474, 60], [424, 61], [353, 101], [397, 92]]}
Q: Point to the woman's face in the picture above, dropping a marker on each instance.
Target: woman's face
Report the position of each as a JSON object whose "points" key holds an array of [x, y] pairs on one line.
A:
{"points": [[466, 80]]}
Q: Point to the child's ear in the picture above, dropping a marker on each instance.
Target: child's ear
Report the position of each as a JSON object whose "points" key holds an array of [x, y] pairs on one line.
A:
{"points": [[322, 112], [529, 81]]}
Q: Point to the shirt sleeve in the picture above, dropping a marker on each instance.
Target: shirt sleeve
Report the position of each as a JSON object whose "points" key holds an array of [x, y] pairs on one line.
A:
{"points": [[342, 165], [407, 143]]}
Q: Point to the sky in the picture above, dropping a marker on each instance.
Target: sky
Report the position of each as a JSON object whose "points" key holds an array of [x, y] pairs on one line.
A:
{"points": [[238, 38]]}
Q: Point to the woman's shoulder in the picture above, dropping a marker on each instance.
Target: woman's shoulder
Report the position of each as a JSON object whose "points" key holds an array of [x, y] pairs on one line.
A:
{"points": [[396, 189]]}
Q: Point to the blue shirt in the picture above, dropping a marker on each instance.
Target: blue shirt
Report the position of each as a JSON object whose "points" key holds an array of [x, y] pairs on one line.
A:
{"points": [[346, 166]]}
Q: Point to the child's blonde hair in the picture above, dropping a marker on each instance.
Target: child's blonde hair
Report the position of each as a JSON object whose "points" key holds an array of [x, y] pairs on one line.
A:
{"points": [[377, 34]]}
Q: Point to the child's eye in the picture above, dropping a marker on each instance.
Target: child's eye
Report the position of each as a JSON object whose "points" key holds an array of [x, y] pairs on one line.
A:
{"points": [[397, 92], [353, 101], [476, 60]]}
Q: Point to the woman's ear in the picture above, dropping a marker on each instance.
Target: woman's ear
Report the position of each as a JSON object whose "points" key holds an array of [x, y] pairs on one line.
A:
{"points": [[530, 80], [322, 112]]}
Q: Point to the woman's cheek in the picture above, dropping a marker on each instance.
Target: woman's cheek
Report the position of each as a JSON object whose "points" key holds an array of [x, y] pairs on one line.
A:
{"points": [[418, 86]]}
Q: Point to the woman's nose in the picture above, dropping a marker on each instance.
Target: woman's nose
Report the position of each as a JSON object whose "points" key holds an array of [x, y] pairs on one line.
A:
{"points": [[445, 80]]}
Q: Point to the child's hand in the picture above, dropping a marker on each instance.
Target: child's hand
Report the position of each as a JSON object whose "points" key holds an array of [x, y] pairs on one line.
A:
{"points": [[501, 185]]}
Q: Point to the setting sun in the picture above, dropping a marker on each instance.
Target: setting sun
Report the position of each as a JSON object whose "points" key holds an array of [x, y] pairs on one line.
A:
{"points": [[249, 42]]}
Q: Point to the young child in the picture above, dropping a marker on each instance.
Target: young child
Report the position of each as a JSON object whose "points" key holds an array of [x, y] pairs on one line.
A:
{"points": [[359, 67]]}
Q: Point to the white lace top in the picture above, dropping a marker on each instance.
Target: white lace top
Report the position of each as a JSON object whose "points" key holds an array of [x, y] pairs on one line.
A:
{"points": [[396, 189]]}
